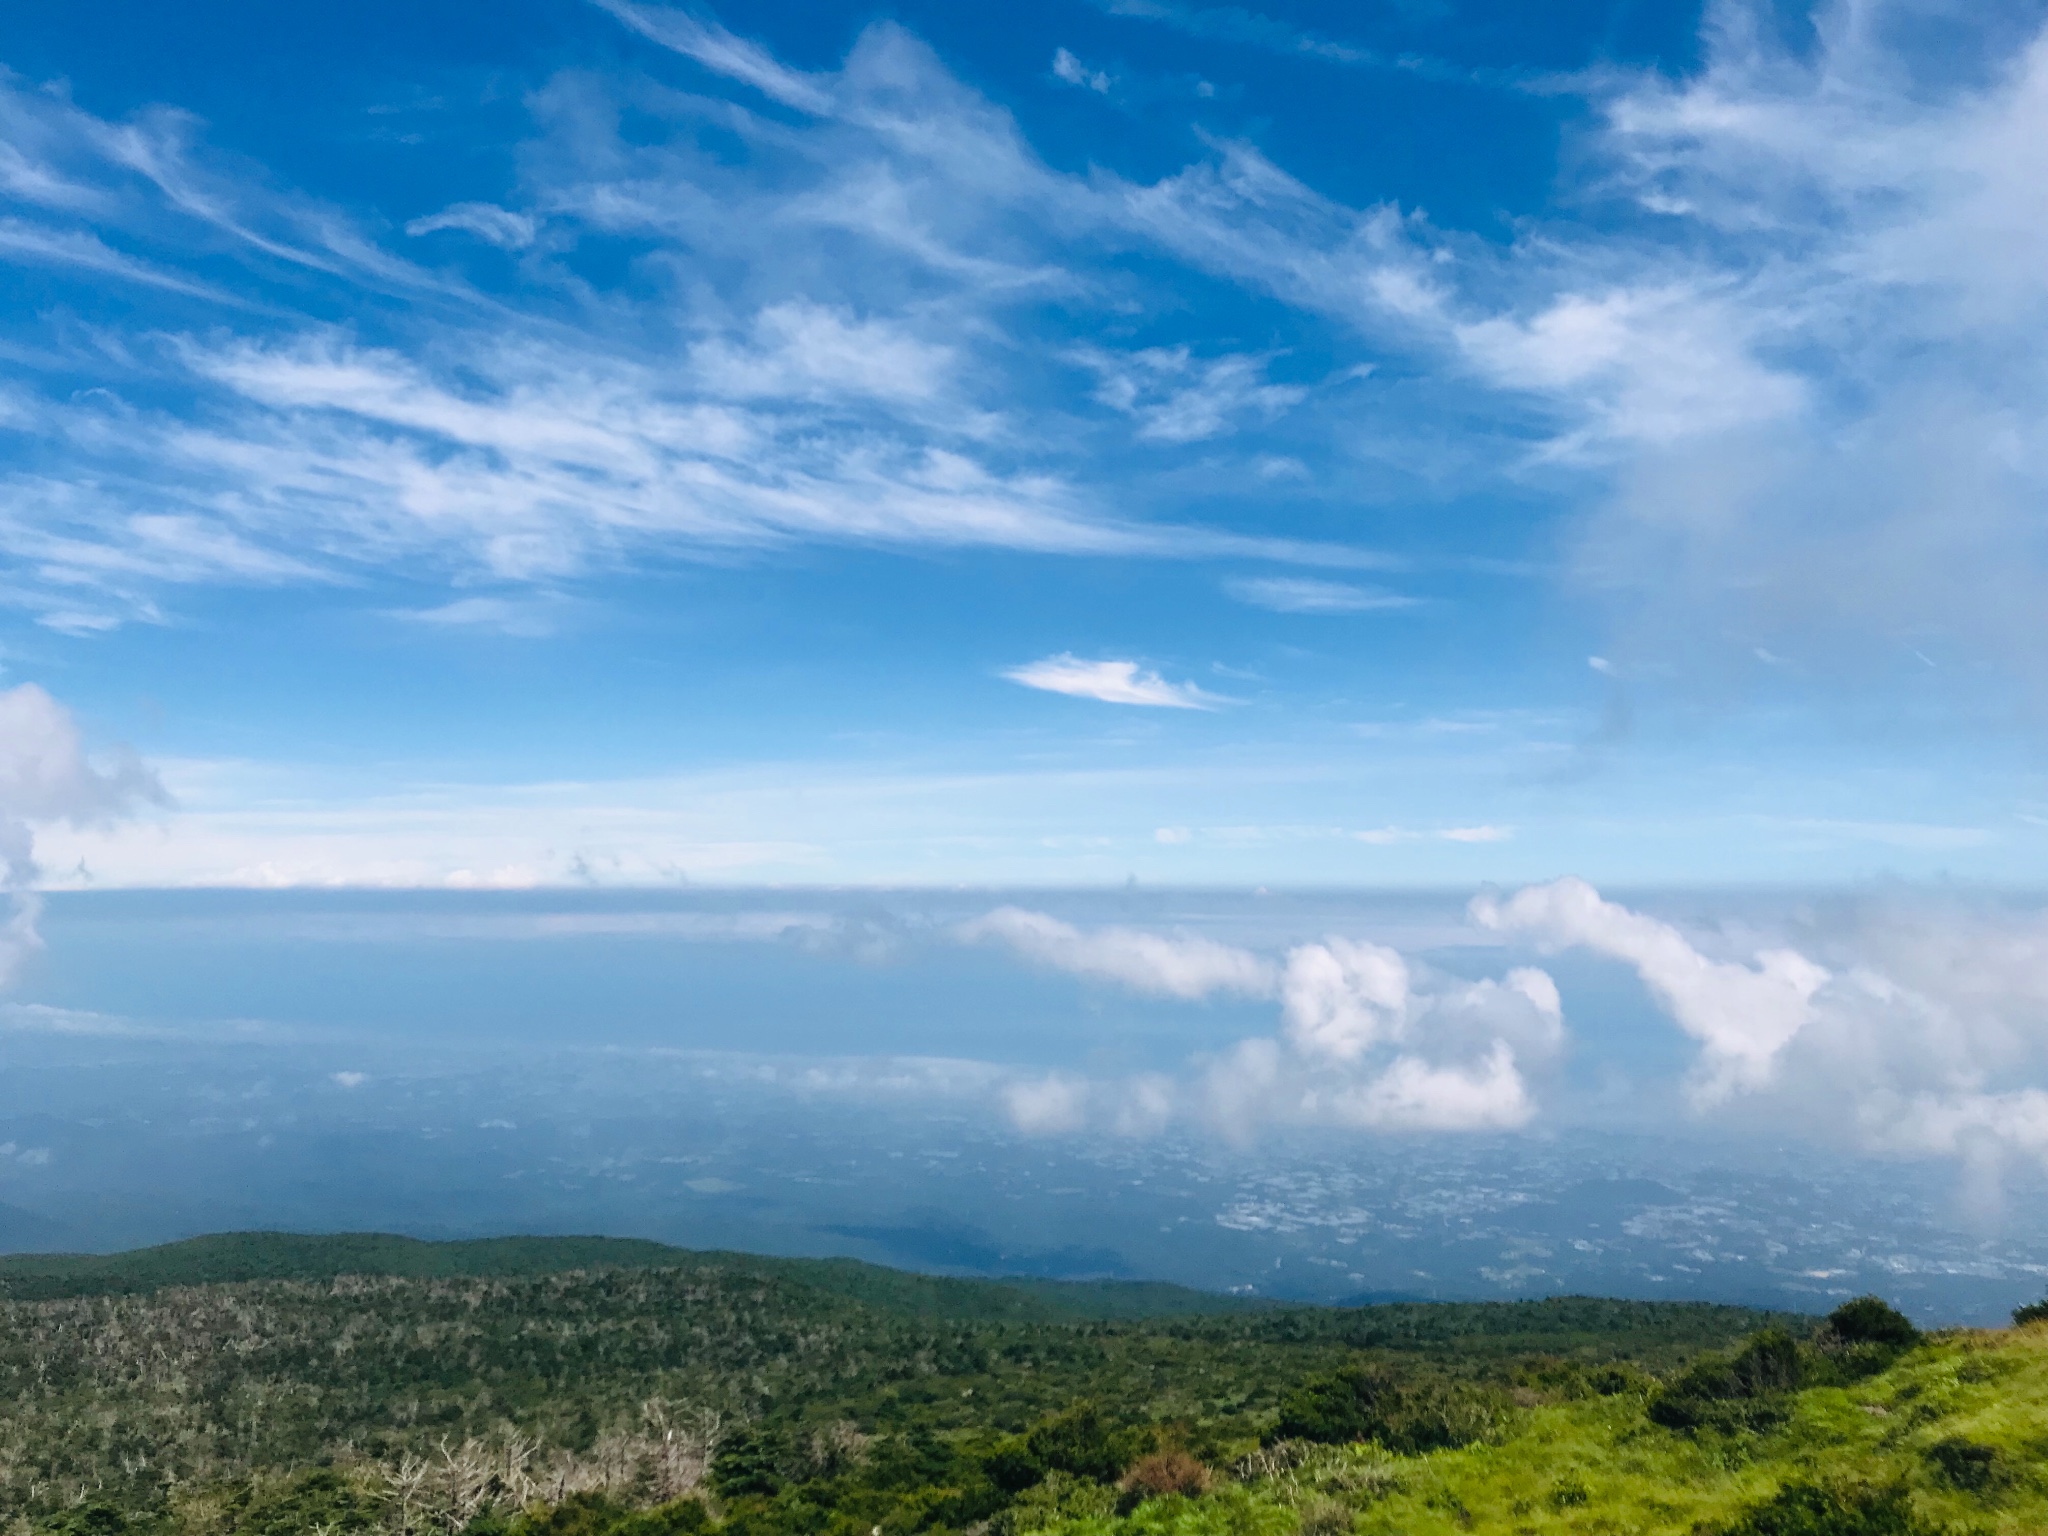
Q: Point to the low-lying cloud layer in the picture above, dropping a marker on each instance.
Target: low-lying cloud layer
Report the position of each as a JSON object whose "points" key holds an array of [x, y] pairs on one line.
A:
{"points": [[47, 776], [1743, 1015], [1370, 1039], [1922, 1029], [1908, 1026], [1156, 964]]}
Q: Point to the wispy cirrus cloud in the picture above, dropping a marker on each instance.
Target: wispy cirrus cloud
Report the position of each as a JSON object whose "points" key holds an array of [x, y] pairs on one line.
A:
{"points": [[486, 221], [526, 617], [1780, 319], [1177, 398], [1243, 25], [726, 53], [1483, 833], [1308, 594], [1111, 682], [545, 431]]}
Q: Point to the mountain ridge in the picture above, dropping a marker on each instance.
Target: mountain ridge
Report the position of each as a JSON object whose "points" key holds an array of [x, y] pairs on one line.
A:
{"points": [[226, 1258]]}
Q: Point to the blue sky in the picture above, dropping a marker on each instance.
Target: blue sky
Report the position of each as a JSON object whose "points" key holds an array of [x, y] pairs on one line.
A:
{"points": [[1055, 485], [1418, 443]]}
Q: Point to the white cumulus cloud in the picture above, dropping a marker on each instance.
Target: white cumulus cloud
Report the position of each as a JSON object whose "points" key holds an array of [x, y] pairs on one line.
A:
{"points": [[1369, 1039], [47, 776], [1411, 1094], [1906, 1025], [1047, 1105], [1743, 1014], [1343, 998]]}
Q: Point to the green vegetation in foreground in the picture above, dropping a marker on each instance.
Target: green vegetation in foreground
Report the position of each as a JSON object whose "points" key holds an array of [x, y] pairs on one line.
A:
{"points": [[481, 1394]]}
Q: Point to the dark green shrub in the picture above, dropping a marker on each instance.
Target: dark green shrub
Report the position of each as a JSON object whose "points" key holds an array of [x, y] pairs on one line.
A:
{"points": [[1743, 1391], [98, 1518], [1011, 1466], [914, 1460], [1574, 1380], [1833, 1509], [1080, 1442], [1405, 1414], [1727, 1416], [1083, 1443], [1965, 1464], [1872, 1320], [1334, 1409], [680, 1517], [2032, 1312], [1611, 1380], [318, 1497], [580, 1514], [1570, 1492], [1769, 1363], [1862, 1337], [749, 1462]]}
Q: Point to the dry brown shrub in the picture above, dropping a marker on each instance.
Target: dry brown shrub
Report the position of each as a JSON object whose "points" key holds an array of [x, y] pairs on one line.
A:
{"points": [[1165, 1472]]}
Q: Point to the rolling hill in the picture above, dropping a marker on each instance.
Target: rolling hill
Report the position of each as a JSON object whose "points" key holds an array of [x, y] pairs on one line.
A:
{"points": [[263, 1384]]}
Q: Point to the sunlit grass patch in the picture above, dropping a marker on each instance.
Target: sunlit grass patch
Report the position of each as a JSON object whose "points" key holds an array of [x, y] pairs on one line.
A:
{"points": [[1951, 1436]]}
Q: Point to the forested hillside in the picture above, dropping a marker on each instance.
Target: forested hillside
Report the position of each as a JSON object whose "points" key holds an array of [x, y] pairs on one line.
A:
{"points": [[233, 1256], [475, 1390]]}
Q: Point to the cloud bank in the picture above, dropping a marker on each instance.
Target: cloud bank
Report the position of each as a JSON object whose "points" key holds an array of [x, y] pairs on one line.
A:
{"points": [[1920, 1030], [46, 776], [1743, 1015], [1370, 1040], [1901, 1025], [1162, 966]]}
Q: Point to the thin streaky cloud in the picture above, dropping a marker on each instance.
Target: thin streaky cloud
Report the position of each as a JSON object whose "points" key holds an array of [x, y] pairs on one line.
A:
{"points": [[24, 242], [1111, 682], [1777, 315], [487, 221], [1303, 594], [529, 619], [724, 53], [1235, 24]]}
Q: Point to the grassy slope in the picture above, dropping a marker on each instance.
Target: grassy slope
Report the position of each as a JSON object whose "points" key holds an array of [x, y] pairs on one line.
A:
{"points": [[136, 1378], [242, 1355], [230, 1257], [1600, 1466]]}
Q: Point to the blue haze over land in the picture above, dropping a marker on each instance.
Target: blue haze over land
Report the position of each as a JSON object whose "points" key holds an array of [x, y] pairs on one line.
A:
{"points": [[828, 1074], [1344, 649]]}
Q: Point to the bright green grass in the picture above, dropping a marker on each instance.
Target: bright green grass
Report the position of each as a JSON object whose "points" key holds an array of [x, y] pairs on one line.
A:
{"points": [[1600, 1465]]}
